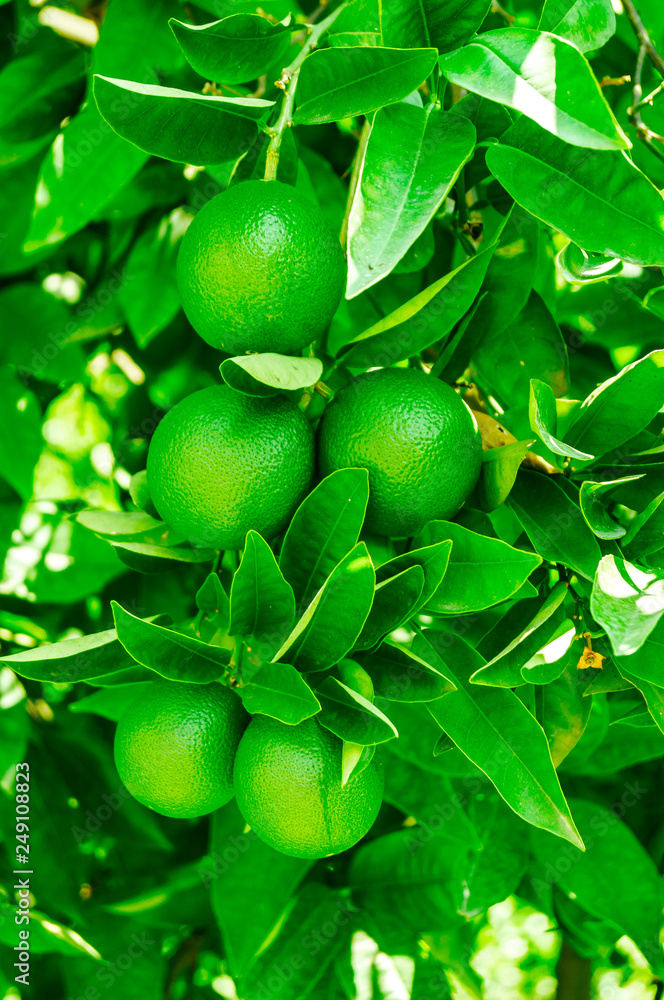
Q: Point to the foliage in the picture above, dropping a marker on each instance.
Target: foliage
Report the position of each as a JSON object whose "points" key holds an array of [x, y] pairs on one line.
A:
{"points": [[495, 177]]}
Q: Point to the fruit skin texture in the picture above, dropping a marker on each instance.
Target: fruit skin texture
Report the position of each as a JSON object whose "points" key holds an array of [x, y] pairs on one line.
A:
{"points": [[221, 463], [260, 269], [288, 788], [175, 745], [416, 437]]}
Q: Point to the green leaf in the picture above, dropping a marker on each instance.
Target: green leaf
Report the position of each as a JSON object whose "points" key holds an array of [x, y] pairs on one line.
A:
{"points": [[146, 557], [342, 82], [110, 702], [445, 26], [500, 467], [646, 531], [431, 798], [544, 420], [455, 356], [598, 199], [594, 511], [177, 124], [498, 733], [482, 571], [399, 675], [554, 523], [278, 690], [615, 879], [212, 600], [302, 947], [620, 407], [151, 266], [523, 68], [423, 320], [44, 349], [511, 272], [88, 163], [350, 716], [627, 601], [236, 49], [333, 621], [653, 693], [354, 760], [564, 713], [531, 347], [251, 886], [412, 159], [262, 603], [433, 559], [21, 441], [506, 657], [118, 524], [395, 601], [269, 374], [588, 24], [324, 529], [70, 660], [411, 880], [170, 654]]}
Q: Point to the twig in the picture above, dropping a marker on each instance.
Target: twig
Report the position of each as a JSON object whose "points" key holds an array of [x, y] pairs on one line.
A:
{"points": [[642, 130], [646, 48], [288, 83], [497, 9], [642, 35]]}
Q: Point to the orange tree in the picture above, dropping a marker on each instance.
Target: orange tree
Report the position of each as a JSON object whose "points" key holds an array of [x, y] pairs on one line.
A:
{"points": [[372, 615]]}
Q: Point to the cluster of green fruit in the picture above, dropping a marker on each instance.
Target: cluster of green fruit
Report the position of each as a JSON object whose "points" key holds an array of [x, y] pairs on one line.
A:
{"points": [[260, 270]]}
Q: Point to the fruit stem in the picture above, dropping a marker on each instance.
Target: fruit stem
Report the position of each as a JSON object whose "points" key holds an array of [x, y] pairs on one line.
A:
{"points": [[288, 83]]}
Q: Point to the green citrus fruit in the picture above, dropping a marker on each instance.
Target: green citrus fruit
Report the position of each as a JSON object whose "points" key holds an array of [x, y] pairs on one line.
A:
{"points": [[288, 787], [221, 463], [418, 440], [260, 269], [175, 745]]}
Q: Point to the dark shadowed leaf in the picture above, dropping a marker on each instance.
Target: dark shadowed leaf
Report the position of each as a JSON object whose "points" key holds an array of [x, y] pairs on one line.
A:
{"points": [[445, 26], [250, 883], [234, 50], [531, 347], [615, 879]]}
